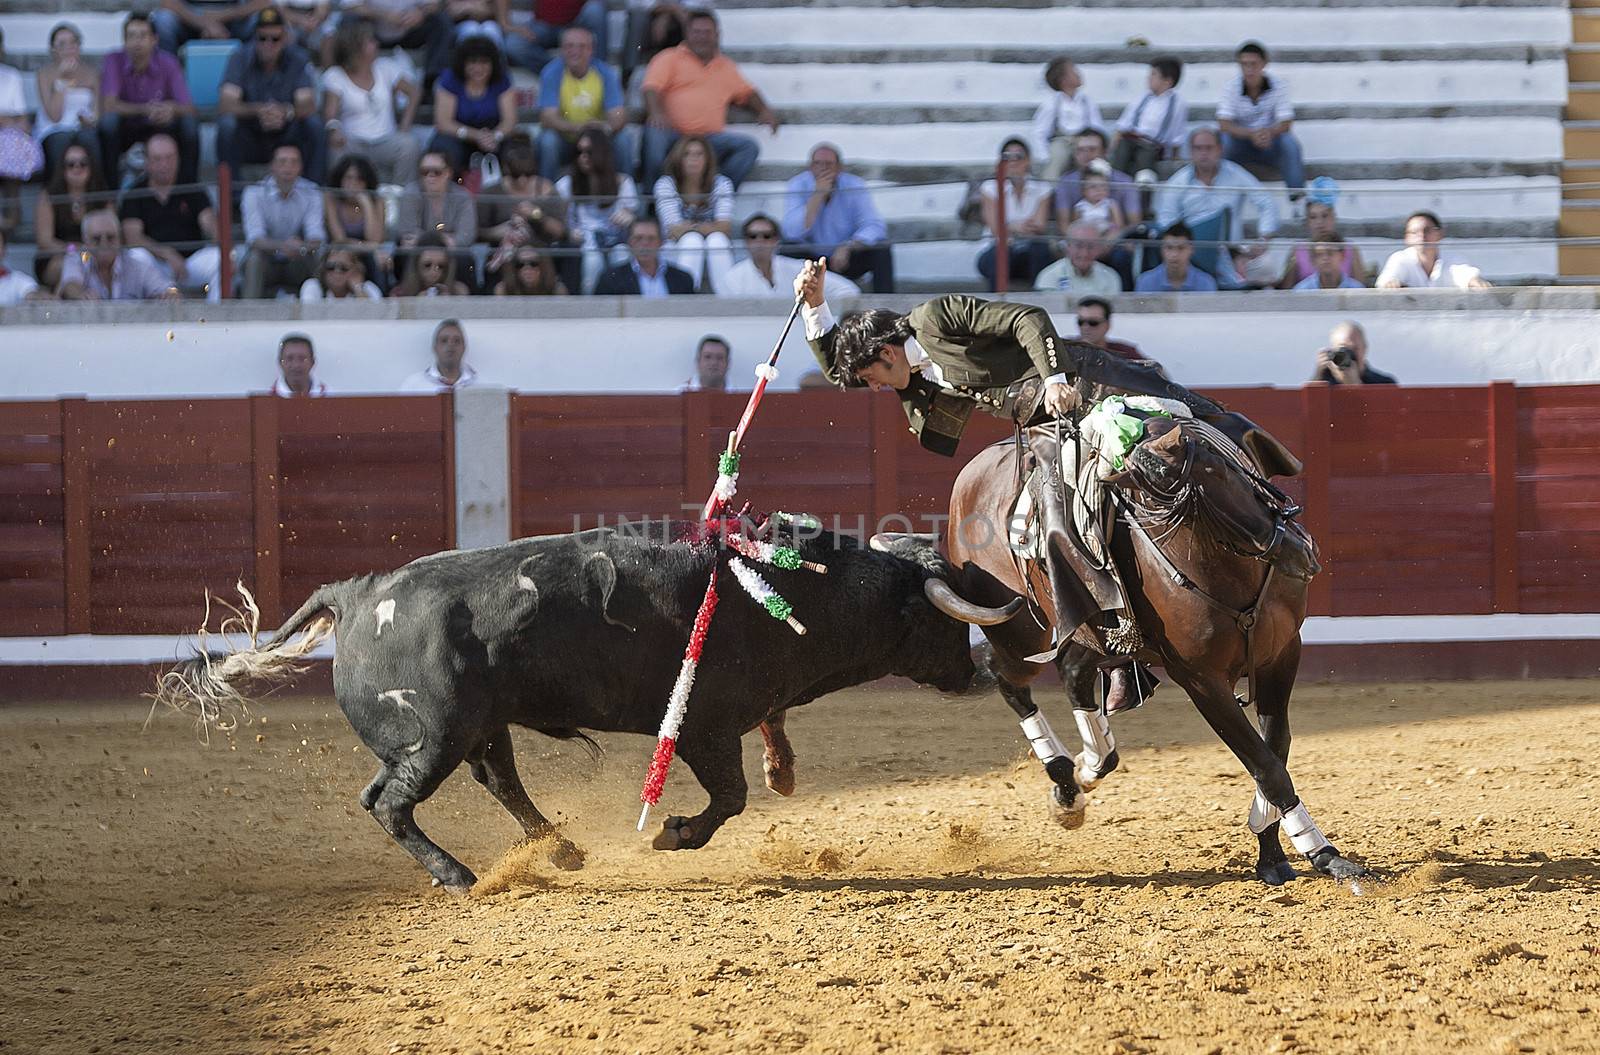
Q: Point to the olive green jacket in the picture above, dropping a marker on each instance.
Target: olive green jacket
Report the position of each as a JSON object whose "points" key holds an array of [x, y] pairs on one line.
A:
{"points": [[986, 347]]}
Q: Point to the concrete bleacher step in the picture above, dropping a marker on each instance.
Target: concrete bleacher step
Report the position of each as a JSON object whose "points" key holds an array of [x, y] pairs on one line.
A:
{"points": [[1021, 114], [1295, 29], [1107, 55], [929, 172]]}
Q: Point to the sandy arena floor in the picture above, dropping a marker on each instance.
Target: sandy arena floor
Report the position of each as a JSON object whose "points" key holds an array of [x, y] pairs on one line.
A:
{"points": [[158, 895]]}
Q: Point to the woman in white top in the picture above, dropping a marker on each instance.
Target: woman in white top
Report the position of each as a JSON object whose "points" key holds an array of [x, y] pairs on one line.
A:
{"points": [[603, 204], [359, 102], [1027, 204], [695, 207], [341, 277], [69, 99]]}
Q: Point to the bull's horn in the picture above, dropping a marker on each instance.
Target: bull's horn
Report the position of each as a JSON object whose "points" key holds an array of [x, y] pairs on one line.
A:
{"points": [[955, 606], [883, 540]]}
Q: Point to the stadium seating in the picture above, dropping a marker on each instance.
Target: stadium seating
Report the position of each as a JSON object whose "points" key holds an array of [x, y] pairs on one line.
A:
{"points": [[1458, 109]]}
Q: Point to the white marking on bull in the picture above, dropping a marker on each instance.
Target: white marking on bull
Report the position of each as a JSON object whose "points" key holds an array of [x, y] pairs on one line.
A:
{"points": [[398, 698], [385, 613]]}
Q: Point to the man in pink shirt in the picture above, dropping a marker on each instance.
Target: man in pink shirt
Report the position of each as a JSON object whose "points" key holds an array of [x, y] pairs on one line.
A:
{"points": [[687, 90], [142, 92]]}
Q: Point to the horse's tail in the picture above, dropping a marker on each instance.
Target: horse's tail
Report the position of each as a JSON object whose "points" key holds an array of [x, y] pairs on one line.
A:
{"points": [[213, 685]]}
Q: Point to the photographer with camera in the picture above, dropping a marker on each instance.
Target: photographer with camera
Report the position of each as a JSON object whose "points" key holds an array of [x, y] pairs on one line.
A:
{"points": [[1344, 360]]}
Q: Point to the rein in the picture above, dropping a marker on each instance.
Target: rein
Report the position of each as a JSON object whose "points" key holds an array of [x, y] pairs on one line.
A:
{"points": [[1187, 501]]}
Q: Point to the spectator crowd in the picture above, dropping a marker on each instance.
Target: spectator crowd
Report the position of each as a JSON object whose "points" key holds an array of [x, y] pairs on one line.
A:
{"points": [[624, 184]]}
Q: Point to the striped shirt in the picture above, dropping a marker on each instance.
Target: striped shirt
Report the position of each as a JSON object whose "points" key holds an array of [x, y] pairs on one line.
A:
{"points": [[672, 210], [1163, 118], [1272, 108]]}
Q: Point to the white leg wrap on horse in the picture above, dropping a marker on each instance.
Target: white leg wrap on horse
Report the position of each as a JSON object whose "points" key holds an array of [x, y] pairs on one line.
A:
{"points": [[1046, 745], [1098, 743], [1263, 814], [1303, 831]]}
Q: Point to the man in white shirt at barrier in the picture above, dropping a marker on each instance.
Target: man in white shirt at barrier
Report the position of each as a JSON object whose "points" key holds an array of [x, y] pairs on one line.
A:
{"points": [[1255, 115], [767, 274], [1080, 273], [1060, 119], [107, 271], [710, 366], [296, 358], [1209, 186], [449, 370], [1422, 264]]}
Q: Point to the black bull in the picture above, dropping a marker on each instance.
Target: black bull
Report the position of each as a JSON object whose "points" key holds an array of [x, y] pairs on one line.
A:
{"points": [[565, 633]]}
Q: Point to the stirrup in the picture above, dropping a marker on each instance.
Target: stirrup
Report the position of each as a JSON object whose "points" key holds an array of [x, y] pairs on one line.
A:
{"points": [[1050, 654]]}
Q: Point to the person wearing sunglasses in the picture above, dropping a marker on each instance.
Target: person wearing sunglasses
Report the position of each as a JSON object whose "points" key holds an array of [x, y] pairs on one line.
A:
{"points": [[341, 277], [103, 270], [529, 273], [1027, 218], [73, 192], [767, 273], [269, 98], [1094, 327], [432, 272]]}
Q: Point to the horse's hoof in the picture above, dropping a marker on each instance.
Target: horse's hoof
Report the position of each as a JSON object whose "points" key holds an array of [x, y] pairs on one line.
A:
{"points": [[1070, 815], [567, 856], [1089, 779], [780, 779], [674, 835], [1329, 863], [1276, 873]]}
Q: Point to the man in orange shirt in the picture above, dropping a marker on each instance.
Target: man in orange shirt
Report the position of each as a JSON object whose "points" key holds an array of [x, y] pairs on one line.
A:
{"points": [[687, 90]]}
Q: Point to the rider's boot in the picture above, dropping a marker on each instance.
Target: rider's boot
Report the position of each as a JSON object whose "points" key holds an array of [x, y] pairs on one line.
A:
{"points": [[1053, 522]]}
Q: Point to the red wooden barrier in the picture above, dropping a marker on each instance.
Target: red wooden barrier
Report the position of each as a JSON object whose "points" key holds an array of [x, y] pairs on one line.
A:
{"points": [[114, 516]]}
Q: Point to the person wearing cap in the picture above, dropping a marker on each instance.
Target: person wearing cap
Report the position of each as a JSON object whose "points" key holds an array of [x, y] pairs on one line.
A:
{"points": [[1322, 224], [1256, 116], [268, 99]]}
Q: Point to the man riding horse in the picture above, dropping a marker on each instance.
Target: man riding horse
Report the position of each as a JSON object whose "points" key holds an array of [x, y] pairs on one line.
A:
{"points": [[956, 354]]}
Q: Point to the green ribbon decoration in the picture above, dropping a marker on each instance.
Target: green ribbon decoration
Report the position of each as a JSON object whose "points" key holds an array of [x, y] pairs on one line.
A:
{"points": [[786, 557], [727, 463], [778, 608]]}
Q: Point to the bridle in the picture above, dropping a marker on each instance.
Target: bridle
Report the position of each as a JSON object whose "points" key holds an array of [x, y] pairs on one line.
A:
{"points": [[1174, 497]]}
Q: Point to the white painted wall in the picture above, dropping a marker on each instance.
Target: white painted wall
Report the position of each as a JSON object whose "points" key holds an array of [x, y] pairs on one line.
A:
{"points": [[1528, 336]]}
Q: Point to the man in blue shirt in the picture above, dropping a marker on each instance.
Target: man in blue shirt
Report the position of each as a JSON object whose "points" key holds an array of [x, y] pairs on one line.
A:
{"points": [[1327, 261], [1175, 273], [828, 212], [575, 90]]}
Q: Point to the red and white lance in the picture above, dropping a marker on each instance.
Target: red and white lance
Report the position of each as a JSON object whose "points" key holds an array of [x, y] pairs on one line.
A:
{"points": [[721, 493]]}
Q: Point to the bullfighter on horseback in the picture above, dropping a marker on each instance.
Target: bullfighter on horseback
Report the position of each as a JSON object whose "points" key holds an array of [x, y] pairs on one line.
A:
{"points": [[955, 354]]}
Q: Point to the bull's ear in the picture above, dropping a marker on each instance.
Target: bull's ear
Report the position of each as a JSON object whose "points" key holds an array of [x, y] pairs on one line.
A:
{"points": [[600, 587]]}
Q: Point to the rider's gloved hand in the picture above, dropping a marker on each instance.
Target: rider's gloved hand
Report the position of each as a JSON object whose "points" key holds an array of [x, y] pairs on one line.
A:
{"points": [[1061, 399]]}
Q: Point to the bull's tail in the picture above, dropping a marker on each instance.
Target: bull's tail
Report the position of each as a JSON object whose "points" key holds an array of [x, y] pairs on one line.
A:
{"points": [[217, 685]]}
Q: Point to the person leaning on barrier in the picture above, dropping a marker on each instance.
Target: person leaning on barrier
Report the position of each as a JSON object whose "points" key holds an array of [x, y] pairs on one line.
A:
{"points": [[710, 366], [296, 359], [1422, 264], [1327, 263], [104, 270], [1344, 360], [177, 227], [449, 370]]}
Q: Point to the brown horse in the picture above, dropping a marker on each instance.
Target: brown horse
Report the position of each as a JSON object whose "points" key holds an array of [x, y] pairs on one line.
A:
{"points": [[1216, 574]]}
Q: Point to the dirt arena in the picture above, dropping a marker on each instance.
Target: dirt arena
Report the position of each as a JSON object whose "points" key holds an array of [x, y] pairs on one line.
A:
{"points": [[159, 895]]}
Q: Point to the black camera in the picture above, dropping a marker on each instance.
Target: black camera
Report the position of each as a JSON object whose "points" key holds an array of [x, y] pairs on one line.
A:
{"points": [[1343, 356]]}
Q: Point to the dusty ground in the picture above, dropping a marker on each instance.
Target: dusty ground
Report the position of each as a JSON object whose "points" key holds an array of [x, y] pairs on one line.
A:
{"points": [[157, 895]]}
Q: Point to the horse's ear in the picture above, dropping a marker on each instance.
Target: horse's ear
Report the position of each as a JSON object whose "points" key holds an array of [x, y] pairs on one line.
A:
{"points": [[1163, 434]]}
